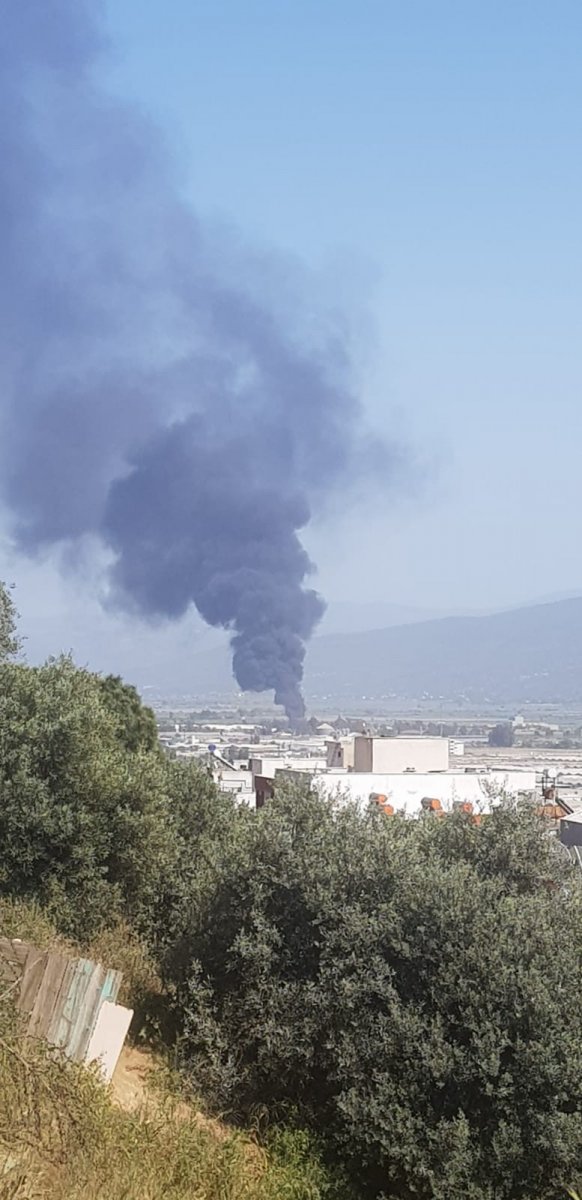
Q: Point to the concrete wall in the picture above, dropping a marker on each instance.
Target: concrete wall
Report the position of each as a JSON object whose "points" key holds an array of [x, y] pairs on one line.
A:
{"points": [[377, 755], [236, 783], [263, 790], [571, 831], [405, 792], [363, 754], [268, 765], [340, 754]]}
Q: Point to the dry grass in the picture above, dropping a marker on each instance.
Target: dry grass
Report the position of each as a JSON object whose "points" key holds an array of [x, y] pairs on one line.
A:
{"points": [[26, 920], [120, 948], [62, 1137]]}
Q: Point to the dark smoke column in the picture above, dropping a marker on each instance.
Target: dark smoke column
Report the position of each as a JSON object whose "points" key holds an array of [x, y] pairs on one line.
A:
{"points": [[146, 399], [190, 524]]}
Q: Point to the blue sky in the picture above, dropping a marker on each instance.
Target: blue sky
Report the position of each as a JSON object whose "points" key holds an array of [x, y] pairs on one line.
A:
{"points": [[423, 160], [419, 161]]}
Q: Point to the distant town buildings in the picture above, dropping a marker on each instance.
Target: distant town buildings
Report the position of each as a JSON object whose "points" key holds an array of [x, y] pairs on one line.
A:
{"points": [[410, 773], [404, 774]]}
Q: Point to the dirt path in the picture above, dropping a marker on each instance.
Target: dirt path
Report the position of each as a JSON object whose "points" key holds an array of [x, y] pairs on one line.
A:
{"points": [[134, 1090], [131, 1081]]}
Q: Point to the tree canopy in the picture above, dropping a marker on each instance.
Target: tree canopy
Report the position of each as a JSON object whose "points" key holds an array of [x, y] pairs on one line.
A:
{"points": [[502, 734], [407, 988], [136, 724], [9, 640], [88, 824]]}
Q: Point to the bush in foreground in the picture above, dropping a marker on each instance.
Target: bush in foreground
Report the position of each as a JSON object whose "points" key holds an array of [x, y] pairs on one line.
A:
{"points": [[92, 815], [410, 988]]}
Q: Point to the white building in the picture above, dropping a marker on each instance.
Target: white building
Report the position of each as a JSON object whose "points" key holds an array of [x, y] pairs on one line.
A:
{"points": [[238, 784], [405, 791], [267, 765], [340, 754], [393, 754]]}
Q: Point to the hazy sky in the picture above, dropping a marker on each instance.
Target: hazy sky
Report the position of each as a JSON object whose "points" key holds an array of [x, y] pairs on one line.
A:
{"points": [[422, 160]]}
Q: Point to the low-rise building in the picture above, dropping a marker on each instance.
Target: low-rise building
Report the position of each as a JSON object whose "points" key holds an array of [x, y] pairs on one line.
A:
{"points": [[267, 765], [394, 754], [404, 792], [340, 754]]}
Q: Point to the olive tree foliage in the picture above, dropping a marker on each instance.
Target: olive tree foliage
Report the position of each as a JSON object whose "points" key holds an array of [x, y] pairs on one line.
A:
{"points": [[87, 824], [136, 723], [9, 640], [409, 989]]}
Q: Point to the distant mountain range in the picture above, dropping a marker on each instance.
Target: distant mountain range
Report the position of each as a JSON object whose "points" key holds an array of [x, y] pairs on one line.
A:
{"points": [[531, 653], [521, 655], [344, 616]]}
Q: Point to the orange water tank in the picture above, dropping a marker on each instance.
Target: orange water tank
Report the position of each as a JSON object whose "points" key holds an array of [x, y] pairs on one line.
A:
{"points": [[383, 803], [431, 804], [552, 812]]}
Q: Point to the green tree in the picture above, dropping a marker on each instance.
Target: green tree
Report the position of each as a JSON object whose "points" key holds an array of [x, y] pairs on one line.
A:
{"points": [[9, 640], [201, 822], [502, 734], [136, 724], [87, 825], [406, 987]]}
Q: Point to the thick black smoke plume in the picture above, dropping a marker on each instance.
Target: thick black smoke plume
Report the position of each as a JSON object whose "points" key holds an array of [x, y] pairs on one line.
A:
{"points": [[142, 399]]}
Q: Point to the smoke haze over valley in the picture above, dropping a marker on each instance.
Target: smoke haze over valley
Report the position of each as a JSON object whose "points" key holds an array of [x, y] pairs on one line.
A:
{"points": [[148, 403]]}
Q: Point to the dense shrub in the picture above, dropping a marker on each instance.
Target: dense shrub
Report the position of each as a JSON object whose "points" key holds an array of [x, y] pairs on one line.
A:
{"points": [[408, 987], [407, 991], [91, 819], [135, 723]]}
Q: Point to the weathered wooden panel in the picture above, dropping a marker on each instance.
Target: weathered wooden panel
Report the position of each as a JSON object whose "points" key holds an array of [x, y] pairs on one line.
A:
{"points": [[47, 996], [64, 998], [89, 1012], [58, 1027], [80, 1007], [111, 985], [32, 977]]}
